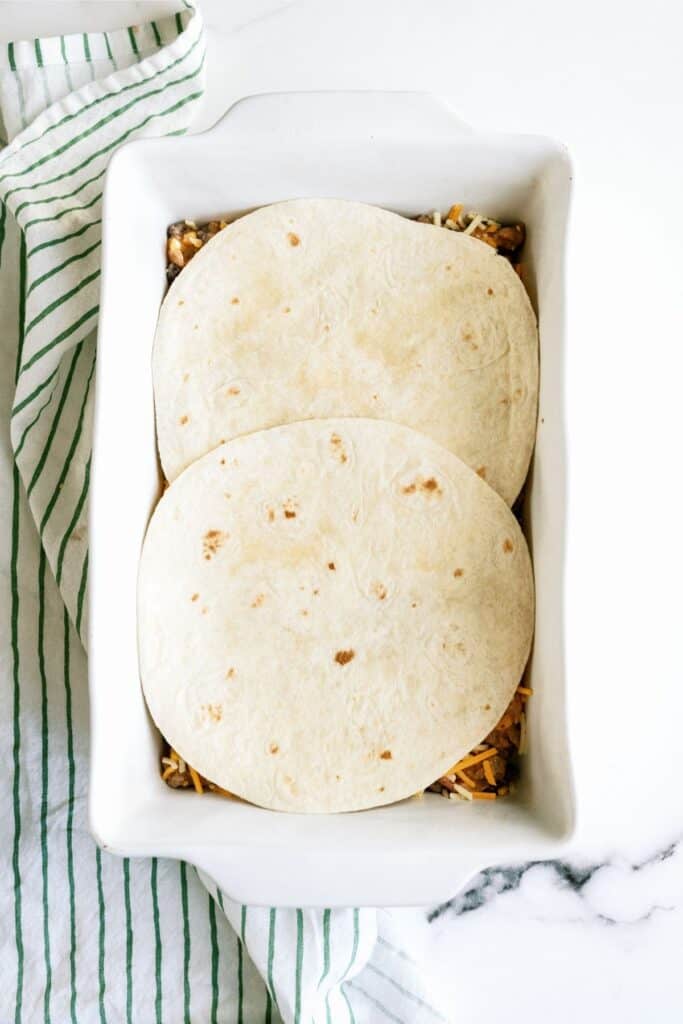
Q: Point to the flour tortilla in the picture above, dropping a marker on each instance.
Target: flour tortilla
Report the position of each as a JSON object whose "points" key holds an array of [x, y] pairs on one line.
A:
{"points": [[331, 613], [321, 307]]}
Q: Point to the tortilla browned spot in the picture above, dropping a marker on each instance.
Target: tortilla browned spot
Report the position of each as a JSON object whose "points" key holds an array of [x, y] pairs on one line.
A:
{"points": [[344, 657]]}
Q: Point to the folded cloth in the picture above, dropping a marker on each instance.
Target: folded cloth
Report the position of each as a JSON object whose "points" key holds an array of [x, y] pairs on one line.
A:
{"points": [[86, 936]]}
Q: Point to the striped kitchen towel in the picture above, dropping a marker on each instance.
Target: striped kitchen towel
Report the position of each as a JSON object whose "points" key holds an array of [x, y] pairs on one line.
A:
{"points": [[87, 937]]}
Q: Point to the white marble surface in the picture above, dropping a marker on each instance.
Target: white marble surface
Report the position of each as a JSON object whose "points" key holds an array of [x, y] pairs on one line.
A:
{"points": [[600, 934]]}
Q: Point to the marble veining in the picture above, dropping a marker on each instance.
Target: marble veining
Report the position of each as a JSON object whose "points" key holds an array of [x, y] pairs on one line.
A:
{"points": [[561, 875]]}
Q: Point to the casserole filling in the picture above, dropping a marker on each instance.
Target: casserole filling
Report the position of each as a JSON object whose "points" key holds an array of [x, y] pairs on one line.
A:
{"points": [[489, 771]]}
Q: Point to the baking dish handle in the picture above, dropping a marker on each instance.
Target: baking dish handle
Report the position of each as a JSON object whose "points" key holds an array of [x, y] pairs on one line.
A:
{"points": [[340, 115], [332, 878]]}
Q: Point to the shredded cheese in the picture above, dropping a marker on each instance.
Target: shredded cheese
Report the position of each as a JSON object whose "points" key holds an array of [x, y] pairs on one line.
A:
{"points": [[484, 796], [473, 224], [221, 791], [526, 691], [467, 762], [522, 734], [465, 778], [488, 772], [460, 791], [196, 781]]}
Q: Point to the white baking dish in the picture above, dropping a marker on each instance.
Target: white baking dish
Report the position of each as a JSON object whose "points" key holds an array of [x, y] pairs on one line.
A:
{"points": [[409, 153]]}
